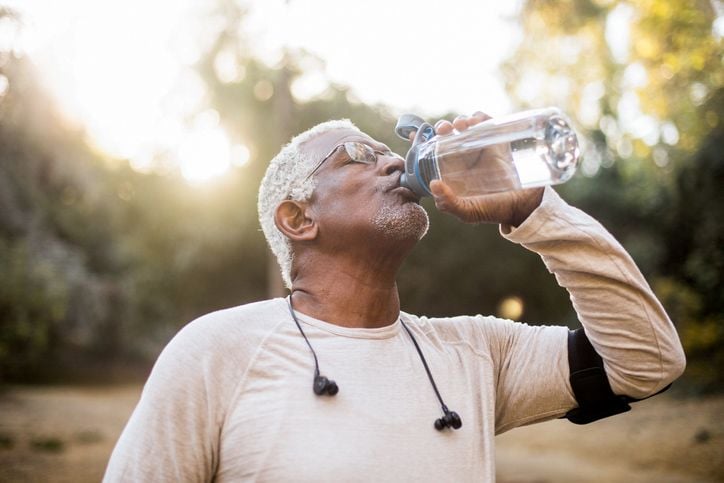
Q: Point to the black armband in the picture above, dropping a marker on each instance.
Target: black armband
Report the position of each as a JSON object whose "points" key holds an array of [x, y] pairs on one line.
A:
{"points": [[590, 385]]}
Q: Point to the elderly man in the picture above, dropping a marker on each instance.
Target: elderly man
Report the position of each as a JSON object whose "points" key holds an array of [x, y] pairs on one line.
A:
{"points": [[241, 394]]}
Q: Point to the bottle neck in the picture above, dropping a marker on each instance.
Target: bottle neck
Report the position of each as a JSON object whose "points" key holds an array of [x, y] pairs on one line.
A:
{"points": [[421, 169]]}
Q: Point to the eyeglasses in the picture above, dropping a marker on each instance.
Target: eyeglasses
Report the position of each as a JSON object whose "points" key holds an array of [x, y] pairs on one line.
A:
{"points": [[357, 152]]}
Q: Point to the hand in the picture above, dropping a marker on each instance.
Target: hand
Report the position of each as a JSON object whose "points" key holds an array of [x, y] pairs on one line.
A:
{"points": [[509, 207]]}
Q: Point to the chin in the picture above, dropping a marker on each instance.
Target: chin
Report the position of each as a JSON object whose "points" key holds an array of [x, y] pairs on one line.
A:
{"points": [[406, 222]]}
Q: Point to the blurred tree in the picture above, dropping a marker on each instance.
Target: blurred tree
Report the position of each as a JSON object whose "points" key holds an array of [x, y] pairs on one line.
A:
{"points": [[55, 232], [645, 82], [101, 263], [33, 302]]}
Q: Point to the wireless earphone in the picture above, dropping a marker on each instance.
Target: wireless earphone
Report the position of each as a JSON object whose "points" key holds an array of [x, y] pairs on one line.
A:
{"points": [[323, 386]]}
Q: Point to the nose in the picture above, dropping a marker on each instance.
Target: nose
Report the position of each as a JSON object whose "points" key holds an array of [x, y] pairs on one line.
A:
{"points": [[390, 163]]}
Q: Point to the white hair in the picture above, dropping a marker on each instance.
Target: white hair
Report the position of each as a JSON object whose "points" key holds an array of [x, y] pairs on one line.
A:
{"points": [[284, 179]]}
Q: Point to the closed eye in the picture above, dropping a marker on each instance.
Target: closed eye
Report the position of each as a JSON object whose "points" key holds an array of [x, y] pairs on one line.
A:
{"points": [[389, 153]]}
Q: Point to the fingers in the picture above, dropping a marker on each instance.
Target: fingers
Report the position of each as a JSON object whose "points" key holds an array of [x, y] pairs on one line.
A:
{"points": [[439, 189], [443, 127], [445, 198], [448, 202], [478, 117], [460, 123]]}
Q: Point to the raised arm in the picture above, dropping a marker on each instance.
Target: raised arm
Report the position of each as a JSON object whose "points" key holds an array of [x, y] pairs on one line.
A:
{"points": [[622, 318]]}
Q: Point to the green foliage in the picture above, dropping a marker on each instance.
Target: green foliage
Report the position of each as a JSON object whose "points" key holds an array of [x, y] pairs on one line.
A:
{"points": [[702, 335], [135, 255], [632, 96], [33, 302], [694, 263]]}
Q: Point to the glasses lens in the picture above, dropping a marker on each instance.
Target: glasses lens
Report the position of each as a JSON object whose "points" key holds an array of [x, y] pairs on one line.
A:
{"points": [[360, 153]]}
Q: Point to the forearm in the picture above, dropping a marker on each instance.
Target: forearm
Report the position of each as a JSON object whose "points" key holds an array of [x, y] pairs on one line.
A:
{"points": [[622, 317]]}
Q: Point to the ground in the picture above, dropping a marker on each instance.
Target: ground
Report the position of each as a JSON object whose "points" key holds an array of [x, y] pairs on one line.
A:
{"points": [[66, 434]]}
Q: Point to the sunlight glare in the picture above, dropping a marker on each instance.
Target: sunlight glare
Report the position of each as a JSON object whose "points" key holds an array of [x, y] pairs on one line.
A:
{"points": [[309, 85], [618, 31], [115, 71], [205, 154], [398, 62], [240, 155], [125, 71]]}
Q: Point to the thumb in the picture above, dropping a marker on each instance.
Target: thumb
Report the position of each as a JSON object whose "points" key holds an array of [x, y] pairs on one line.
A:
{"points": [[445, 199], [466, 209]]}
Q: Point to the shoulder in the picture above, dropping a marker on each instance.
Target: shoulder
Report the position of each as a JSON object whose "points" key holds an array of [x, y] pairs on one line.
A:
{"points": [[243, 319], [478, 332], [232, 333], [461, 326], [487, 333]]}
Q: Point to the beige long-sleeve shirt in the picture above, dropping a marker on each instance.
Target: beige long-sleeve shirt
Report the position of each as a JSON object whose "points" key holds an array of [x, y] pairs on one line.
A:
{"points": [[230, 398]]}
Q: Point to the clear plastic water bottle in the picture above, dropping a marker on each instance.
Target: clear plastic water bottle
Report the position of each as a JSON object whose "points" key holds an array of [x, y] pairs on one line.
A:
{"points": [[524, 150]]}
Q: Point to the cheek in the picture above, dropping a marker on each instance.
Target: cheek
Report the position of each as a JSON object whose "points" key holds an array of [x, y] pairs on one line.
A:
{"points": [[348, 195], [346, 208], [349, 210]]}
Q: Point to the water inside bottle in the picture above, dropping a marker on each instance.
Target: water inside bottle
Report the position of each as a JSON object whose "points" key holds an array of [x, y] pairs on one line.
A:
{"points": [[522, 154]]}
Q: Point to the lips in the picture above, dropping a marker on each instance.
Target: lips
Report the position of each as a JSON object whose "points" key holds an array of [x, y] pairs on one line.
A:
{"points": [[401, 191], [406, 193]]}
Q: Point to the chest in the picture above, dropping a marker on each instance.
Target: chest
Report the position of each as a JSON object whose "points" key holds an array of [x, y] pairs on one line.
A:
{"points": [[378, 427]]}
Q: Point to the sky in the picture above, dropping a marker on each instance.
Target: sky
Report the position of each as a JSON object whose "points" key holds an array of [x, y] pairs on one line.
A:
{"points": [[414, 59]]}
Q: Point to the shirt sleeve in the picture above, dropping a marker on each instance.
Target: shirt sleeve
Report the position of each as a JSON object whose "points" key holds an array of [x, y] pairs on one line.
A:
{"points": [[622, 317], [173, 433], [531, 371]]}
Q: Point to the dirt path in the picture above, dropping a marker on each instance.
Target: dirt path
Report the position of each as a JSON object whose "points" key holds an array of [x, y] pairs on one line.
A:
{"points": [[66, 434], [660, 440], [61, 434]]}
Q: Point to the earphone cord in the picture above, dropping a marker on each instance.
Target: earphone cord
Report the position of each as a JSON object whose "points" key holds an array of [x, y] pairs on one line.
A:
{"points": [[445, 409], [427, 369], [314, 354]]}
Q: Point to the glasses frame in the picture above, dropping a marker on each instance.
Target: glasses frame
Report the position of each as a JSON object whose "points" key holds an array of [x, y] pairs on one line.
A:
{"points": [[375, 152]]}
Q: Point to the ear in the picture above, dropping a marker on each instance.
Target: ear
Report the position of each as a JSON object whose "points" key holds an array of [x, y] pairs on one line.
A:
{"points": [[293, 220]]}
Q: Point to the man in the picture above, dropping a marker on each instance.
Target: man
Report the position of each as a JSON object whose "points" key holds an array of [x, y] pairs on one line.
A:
{"points": [[230, 398]]}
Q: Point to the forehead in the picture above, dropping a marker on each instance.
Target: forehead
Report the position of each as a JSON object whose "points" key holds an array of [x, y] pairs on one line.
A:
{"points": [[320, 146]]}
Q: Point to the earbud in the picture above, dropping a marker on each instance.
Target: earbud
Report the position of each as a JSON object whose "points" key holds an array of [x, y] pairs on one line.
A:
{"points": [[449, 420], [322, 386]]}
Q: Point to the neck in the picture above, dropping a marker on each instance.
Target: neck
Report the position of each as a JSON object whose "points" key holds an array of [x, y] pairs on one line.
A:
{"points": [[348, 291]]}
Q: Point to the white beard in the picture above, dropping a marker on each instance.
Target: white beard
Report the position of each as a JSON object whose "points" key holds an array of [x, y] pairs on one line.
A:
{"points": [[396, 222]]}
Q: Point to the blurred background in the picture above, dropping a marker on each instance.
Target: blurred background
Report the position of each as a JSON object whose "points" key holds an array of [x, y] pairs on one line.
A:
{"points": [[133, 136]]}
